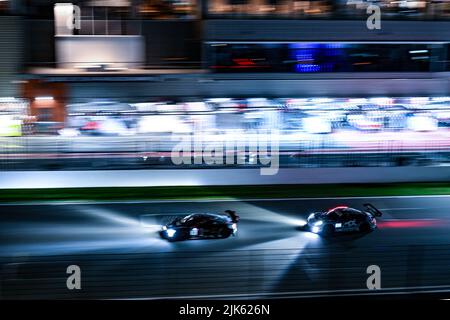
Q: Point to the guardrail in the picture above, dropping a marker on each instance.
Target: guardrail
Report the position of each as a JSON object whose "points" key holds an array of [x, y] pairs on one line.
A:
{"points": [[60, 162], [211, 177], [155, 152]]}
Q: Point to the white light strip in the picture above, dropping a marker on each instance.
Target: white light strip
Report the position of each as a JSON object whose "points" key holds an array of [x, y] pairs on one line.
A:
{"points": [[418, 51], [45, 98]]}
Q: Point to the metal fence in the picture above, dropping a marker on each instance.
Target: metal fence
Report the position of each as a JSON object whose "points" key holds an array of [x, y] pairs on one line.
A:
{"points": [[155, 151]]}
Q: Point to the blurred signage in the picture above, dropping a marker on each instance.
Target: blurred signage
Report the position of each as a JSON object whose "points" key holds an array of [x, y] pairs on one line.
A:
{"points": [[108, 3]]}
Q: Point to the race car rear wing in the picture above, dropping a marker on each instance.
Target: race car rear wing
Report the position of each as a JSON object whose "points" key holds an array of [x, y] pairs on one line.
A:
{"points": [[234, 217], [372, 210]]}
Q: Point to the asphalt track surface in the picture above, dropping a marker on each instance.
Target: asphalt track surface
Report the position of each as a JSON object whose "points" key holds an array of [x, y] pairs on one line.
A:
{"points": [[120, 254]]}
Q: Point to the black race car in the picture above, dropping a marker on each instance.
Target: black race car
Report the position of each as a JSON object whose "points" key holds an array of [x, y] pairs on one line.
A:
{"points": [[343, 219], [201, 226]]}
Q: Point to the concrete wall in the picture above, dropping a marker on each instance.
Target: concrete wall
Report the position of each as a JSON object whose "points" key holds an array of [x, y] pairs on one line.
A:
{"points": [[197, 177], [247, 85]]}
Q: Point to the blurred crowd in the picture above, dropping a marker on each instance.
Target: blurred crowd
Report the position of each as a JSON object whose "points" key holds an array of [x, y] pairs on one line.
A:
{"points": [[307, 115]]}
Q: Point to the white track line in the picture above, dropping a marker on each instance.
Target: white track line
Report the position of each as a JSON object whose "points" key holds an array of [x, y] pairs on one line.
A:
{"points": [[306, 294], [57, 202]]}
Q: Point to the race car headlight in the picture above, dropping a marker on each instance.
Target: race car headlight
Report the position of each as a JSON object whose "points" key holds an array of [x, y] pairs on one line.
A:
{"points": [[315, 229], [234, 226], [311, 216], [170, 232], [164, 228], [318, 223], [193, 232]]}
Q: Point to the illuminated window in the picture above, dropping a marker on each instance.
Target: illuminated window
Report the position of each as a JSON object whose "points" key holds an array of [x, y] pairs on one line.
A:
{"points": [[95, 18], [310, 9], [167, 9], [306, 57], [283, 8]]}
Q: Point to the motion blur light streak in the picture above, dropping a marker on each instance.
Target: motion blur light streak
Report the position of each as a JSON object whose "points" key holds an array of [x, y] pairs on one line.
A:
{"points": [[311, 235], [108, 215], [154, 222], [122, 244], [265, 215], [57, 230], [58, 238], [112, 230], [405, 223], [296, 244]]}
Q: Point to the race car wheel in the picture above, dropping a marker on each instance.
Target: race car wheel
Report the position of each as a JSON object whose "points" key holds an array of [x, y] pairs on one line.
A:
{"points": [[328, 230], [364, 227], [224, 233]]}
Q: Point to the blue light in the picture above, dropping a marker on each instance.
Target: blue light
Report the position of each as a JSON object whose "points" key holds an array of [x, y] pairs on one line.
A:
{"points": [[304, 68]]}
